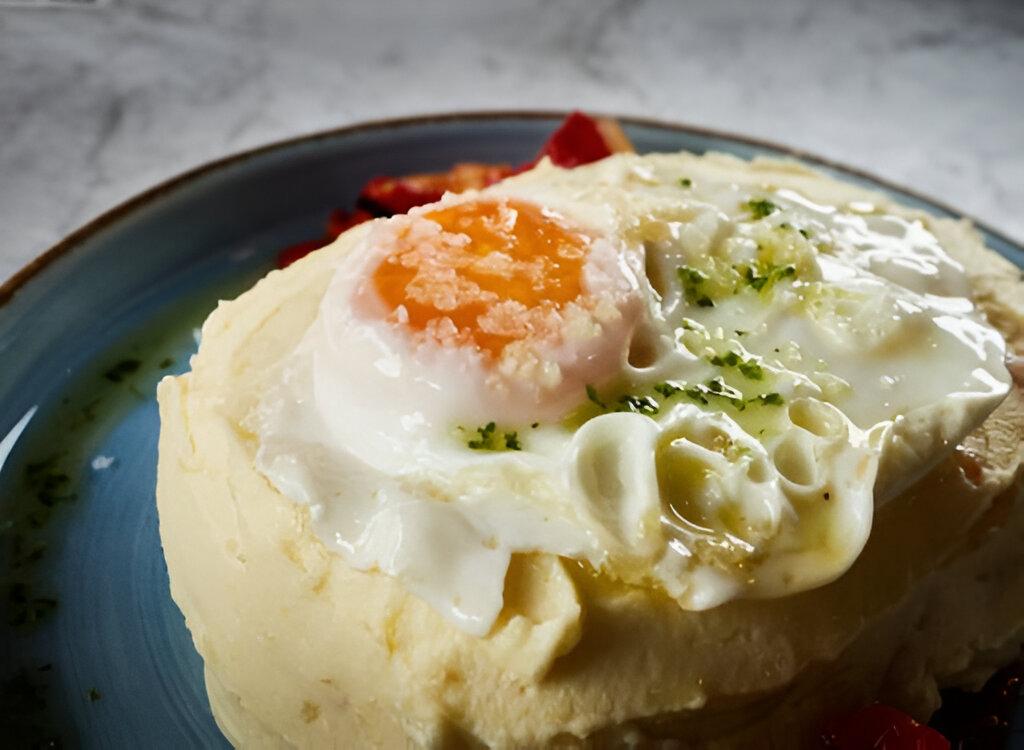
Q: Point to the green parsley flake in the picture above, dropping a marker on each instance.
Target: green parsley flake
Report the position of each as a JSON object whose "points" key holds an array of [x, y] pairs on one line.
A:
{"points": [[761, 276], [668, 389], [486, 438], [751, 370], [703, 393], [26, 608], [490, 440], [122, 370], [790, 228], [747, 367], [693, 280], [592, 395], [768, 399], [639, 405], [761, 207], [685, 182], [729, 359]]}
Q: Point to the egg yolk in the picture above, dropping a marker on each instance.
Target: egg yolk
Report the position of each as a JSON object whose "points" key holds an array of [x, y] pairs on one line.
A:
{"points": [[498, 271]]}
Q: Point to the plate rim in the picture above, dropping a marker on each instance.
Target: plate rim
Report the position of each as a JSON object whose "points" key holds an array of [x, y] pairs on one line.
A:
{"points": [[93, 227], [119, 212]]}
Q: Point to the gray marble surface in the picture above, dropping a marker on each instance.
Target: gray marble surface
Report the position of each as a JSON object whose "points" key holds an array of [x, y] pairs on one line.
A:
{"points": [[100, 100]]}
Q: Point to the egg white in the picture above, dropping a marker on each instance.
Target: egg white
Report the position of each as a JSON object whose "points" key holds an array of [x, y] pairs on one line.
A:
{"points": [[866, 357]]}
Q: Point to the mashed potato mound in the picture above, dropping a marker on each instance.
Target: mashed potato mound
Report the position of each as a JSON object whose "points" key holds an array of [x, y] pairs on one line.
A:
{"points": [[301, 649]]}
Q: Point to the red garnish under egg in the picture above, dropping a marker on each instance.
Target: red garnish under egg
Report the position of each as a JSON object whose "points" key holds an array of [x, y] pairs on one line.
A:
{"points": [[879, 727], [580, 139], [386, 196]]}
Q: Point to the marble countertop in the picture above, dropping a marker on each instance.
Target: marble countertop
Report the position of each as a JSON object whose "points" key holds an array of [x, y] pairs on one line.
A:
{"points": [[101, 100]]}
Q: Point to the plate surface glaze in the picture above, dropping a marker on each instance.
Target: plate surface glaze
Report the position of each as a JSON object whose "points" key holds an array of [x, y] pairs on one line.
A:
{"points": [[93, 651]]}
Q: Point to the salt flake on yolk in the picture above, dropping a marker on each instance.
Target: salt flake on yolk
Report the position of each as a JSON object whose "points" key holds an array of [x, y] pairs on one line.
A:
{"points": [[498, 271]]}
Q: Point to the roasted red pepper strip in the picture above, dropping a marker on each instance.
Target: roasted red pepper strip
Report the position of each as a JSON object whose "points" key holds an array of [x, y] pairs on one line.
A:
{"points": [[879, 727], [339, 220], [293, 252], [577, 141], [580, 139], [385, 196]]}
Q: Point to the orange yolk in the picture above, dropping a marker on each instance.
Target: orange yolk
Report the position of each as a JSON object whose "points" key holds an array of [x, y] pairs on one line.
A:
{"points": [[499, 271]]}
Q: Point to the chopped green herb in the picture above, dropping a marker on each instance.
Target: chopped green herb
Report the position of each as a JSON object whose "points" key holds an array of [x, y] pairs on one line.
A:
{"points": [[668, 389], [489, 440], [686, 182], [639, 405], [49, 484], [28, 719], [592, 395], [749, 368], [693, 280], [761, 276], [761, 207], [89, 410], [752, 370], [27, 608], [770, 399], [23, 556], [702, 393], [731, 359], [486, 438], [94, 695], [535, 425], [122, 369], [805, 233], [692, 276], [715, 388]]}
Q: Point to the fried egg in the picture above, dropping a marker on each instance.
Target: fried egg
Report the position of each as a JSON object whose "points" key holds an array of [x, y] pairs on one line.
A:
{"points": [[682, 380]]}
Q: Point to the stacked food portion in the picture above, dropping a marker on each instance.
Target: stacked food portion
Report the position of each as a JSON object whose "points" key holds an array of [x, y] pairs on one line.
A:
{"points": [[660, 447]]}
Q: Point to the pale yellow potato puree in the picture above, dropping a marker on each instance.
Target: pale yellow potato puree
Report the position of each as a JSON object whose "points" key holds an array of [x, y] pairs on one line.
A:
{"points": [[302, 649]]}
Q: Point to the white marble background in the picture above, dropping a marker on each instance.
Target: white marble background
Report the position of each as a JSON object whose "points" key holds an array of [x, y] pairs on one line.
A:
{"points": [[100, 100]]}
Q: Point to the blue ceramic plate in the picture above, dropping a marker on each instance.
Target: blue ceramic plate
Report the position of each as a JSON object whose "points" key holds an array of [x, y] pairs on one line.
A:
{"points": [[93, 652]]}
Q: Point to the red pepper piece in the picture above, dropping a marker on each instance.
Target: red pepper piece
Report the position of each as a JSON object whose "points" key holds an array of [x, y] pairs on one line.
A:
{"points": [[385, 196], [396, 195], [577, 141], [879, 727], [339, 220], [472, 175], [300, 249]]}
